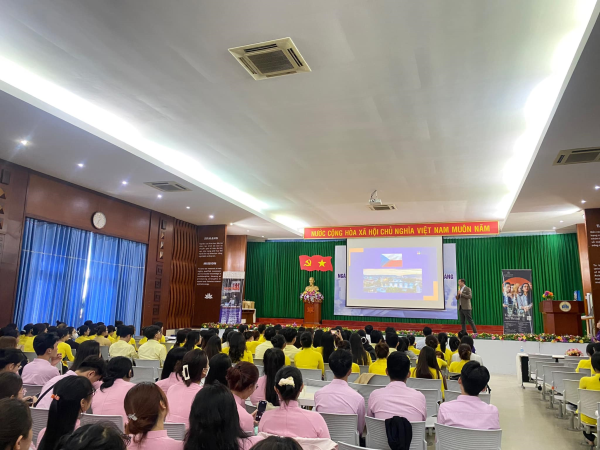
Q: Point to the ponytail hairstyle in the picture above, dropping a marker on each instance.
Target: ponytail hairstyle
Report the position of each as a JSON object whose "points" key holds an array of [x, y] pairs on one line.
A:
{"points": [[193, 365], [172, 362], [241, 376], [27, 330], [464, 351], [288, 382], [181, 336], [82, 330], [119, 367], [143, 408], [192, 340], [328, 345], [16, 422], [65, 409], [317, 337], [427, 359], [359, 354], [219, 365], [213, 347], [454, 343], [85, 349], [97, 436], [274, 359], [237, 346], [443, 340]]}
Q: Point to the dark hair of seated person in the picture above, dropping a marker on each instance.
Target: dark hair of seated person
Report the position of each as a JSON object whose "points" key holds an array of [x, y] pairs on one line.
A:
{"points": [[398, 366], [288, 393], [427, 331], [432, 341], [596, 362], [340, 363], [97, 436], [278, 341], [464, 351], [277, 443], [219, 365], [454, 342], [382, 350], [474, 378], [376, 337], [306, 340]]}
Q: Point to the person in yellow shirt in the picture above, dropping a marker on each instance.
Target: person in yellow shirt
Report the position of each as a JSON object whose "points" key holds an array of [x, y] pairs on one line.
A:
{"points": [[317, 337], [307, 358], [464, 351], [84, 333], [379, 367], [345, 345], [162, 339], [38, 328], [454, 342], [122, 347], [28, 329], [428, 368], [153, 349], [192, 340], [431, 341], [593, 384], [102, 336], [264, 346], [443, 347], [279, 342], [261, 329], [412, 347], [590, 349], [180, 337], [251, 344], [112, 334], [237, 348], [359, 355], [63, 348]]}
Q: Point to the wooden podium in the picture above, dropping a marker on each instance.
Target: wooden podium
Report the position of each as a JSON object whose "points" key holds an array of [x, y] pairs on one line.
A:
{"points": [[563, 317], [312, 314]]}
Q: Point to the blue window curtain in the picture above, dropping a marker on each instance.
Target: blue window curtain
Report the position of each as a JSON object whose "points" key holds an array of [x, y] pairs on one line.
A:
{"points": [[74, 275]]}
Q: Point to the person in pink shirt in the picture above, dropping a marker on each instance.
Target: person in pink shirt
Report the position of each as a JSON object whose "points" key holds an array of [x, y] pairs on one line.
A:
{"points": [[43, 368], [214, 422], [397, 399], [171, 366], [290, 420], [108, 400], [338, 397], [274, 359], [72, 396], [92, 367], [97, 436], [181, 395], [242, 380], [468, 410], [146, 406]]}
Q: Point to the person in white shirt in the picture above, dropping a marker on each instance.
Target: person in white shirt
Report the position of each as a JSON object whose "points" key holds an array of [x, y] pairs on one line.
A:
{"points": [[420, 343], [153, 349], [262, 348], [469, 341]]}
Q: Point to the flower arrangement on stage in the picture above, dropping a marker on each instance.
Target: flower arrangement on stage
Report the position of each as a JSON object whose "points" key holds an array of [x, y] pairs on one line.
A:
{"points": [[311, 297], [548, 295], [574, 352]]}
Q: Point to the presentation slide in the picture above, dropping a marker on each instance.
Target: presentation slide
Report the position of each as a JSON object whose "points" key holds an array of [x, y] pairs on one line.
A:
{"points": [[405, 273]]}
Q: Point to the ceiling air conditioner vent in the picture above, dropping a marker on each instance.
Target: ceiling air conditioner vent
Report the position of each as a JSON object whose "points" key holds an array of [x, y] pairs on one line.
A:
{"points": [[382, 207], [270, 59], [167, 186], [577, 156]]}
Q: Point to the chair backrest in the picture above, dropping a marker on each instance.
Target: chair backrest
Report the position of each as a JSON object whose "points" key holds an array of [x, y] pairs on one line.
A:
{"points": [[380, 380], [329, 375], [453, 385], [311, 374], [363, 369], [104, 352], [424, 383], [365, 390], [586, 372], [316, 383], [326, 366], [39, 417], [377, 436], [431, 398], [353, 377], [33, 389], [250, 408], [453, 395], [261, 370], [95, 418], [169, 346], [142, 374], [342, 427], [588, 402], [30, 356], [454, 438], [558, 379], [258, 362], [571, 392], [539, 372], [175, 430], [146, 363], [548, 369]]}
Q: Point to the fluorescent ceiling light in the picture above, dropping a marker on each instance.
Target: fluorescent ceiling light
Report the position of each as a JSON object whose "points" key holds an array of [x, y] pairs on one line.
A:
{"points": [[24, 142], [211, 217], [159, 196], [80, 164], [123, 182], [187, 207]]}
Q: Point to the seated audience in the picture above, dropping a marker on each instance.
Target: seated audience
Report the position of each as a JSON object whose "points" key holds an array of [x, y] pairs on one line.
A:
{"points": [[72, 396], [218, 366], [162, 340], [98, 436], [367, 345], [397, 399], [392, 341], [108, 400], [241, 380], [93, 368], [443, 347], [317, 336], [297, 343], [73, 333], [192, 340], [261, 331], [468, 410], [278, 342], [277, 443], [8, 342], [328, 344], [147, 407], [338, 397], [112, 333], [225, 338], [84, 334], [420, 343], [237, 350], [290, 419], [17, 427], [464, 351], [11, 386], [181, 337], [411, 345], [590, 349], [274, 359], [592, 383], [453, 343], [38, 328], [469, 341], [214, 422], [290, 350], [11, 360], [25, 334], [123, 347], [359, 355], [264, 346], [382, 352], [427, 367], [88, 348], [181, 395], [172, 366], [153, 349], [251, 343], [43, 368], [431, 341], [102, 336], [63, 348], [213, 346], [307, 358]]}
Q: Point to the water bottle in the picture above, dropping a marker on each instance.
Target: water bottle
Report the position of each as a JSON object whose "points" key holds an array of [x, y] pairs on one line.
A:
{"points": [[522, 349]]}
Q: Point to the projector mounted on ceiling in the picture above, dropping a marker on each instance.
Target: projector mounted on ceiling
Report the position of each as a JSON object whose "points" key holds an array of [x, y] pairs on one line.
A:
{"points": [[577, 156], [270, 59], [375, 204]]}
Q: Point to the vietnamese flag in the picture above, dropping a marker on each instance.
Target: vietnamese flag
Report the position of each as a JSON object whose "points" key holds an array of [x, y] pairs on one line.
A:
{"points": [[316, 262]]}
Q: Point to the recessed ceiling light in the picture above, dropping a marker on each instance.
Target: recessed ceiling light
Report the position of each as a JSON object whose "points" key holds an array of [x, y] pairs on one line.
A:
{"points": [[561, 221], [24, 142], [187, 207], [582, 201], [262, 236], [247, 231], [596, 187], [554, 228], [230, 223], [159, 196], [211, 217], [123, 182], [80, 164]]}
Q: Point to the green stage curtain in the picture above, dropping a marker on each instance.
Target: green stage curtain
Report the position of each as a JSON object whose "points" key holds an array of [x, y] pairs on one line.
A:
{"points": [[274, 279]]}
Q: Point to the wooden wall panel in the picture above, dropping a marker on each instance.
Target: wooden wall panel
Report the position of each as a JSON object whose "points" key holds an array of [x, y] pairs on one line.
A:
{"points": [[592, 228], [584, 261], [183, 275], [64, 203], [235, 253], [13, 193]]}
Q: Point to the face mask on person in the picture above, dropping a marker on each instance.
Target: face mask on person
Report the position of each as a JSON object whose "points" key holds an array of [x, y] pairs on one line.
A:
{"points": [[74, 335]]}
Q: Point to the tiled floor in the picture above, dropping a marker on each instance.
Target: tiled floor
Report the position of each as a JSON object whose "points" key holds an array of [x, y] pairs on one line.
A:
{"points": [[526, 423]]}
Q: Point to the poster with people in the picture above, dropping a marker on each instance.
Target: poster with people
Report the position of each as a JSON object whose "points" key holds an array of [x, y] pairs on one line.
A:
{"points": [[517, 301], [231, 297]]}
